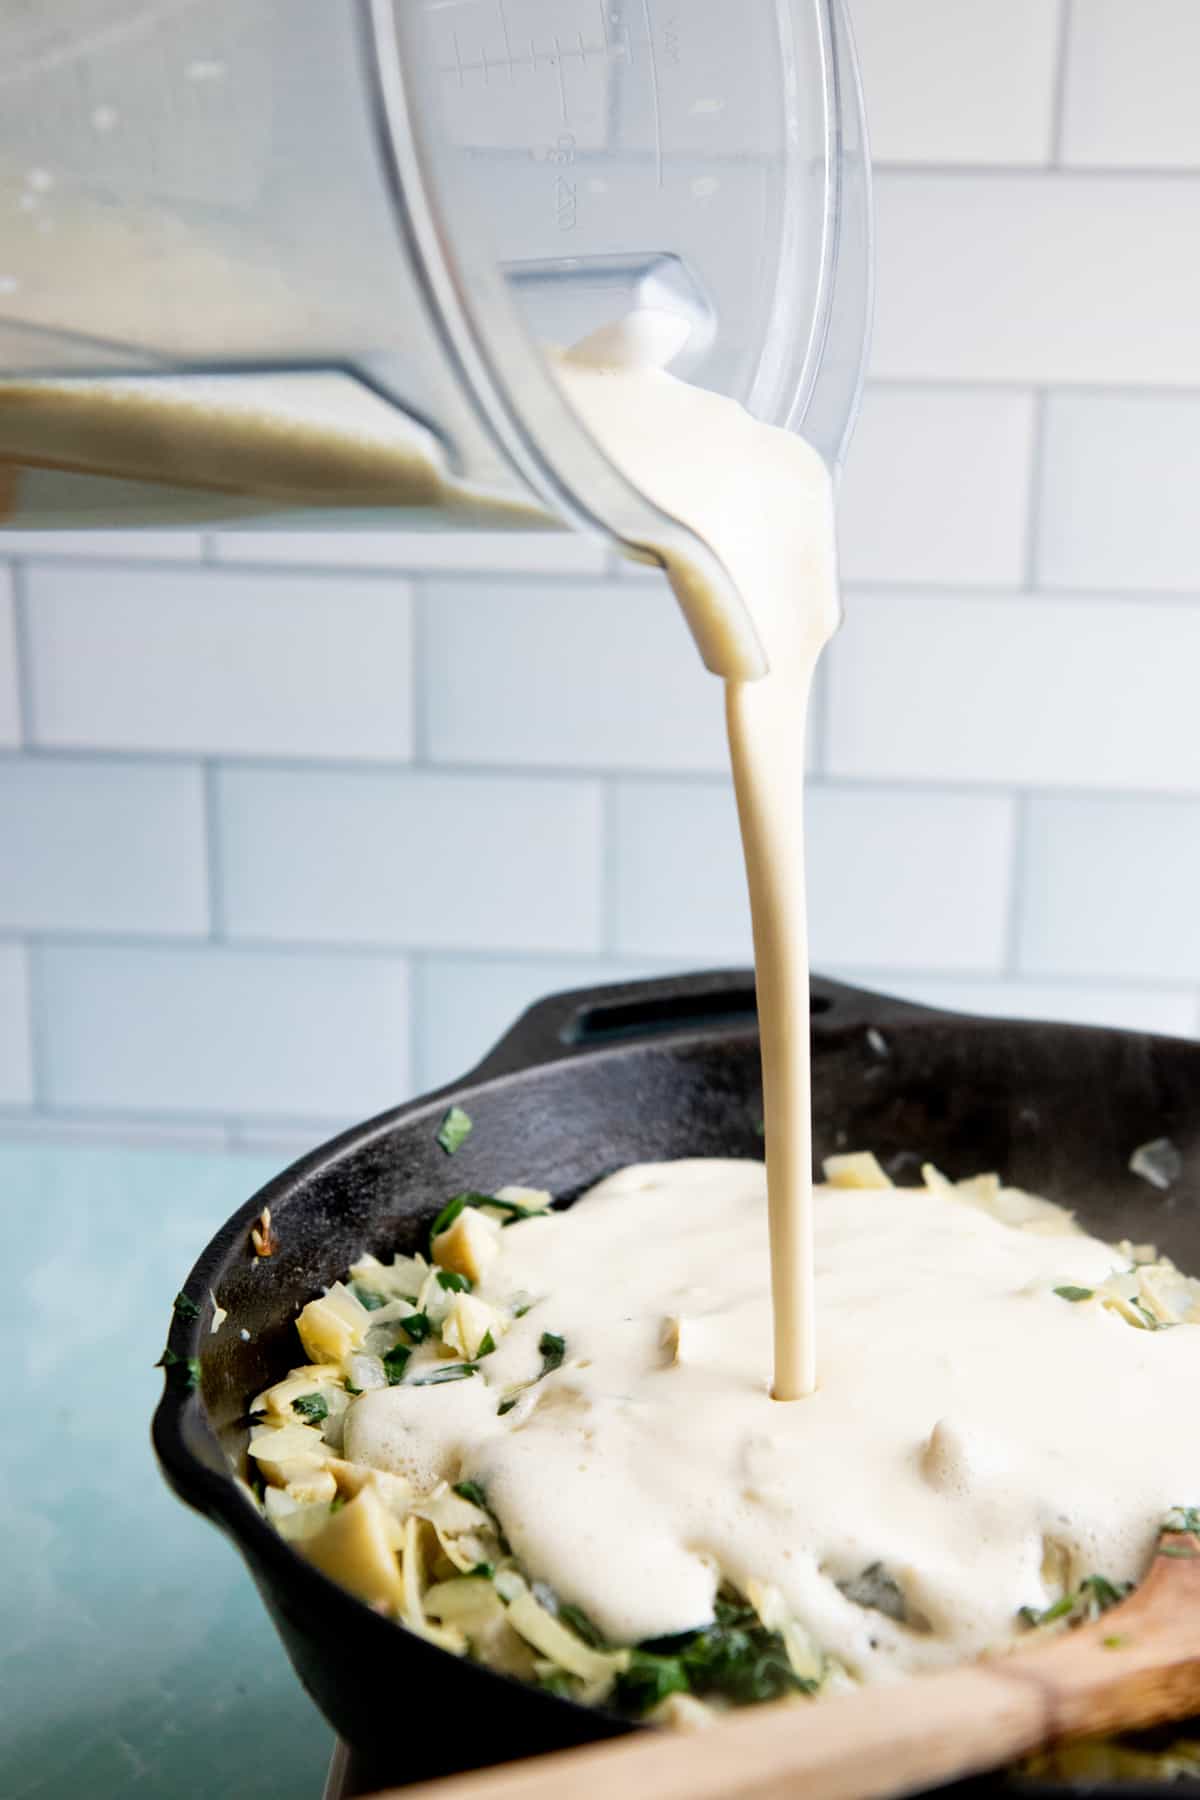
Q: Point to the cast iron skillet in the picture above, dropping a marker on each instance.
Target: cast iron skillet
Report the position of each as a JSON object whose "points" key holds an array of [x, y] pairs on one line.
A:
{"points": [[583, 1083]]}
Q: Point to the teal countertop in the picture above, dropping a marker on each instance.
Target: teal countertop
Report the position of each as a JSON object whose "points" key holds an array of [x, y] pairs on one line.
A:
{"points": [[135, 1656]]}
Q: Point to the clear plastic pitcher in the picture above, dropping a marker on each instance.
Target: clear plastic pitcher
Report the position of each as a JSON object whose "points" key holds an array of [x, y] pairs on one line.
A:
{"points": [[310, 247]]}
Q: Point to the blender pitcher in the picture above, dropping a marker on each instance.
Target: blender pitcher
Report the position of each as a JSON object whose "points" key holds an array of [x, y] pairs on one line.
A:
{"points": [[297, 258]]}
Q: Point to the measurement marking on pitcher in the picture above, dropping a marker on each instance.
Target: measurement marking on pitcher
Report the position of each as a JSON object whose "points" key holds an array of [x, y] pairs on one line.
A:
{"points": [[562, 85], [458, 61], [654, 93], [502, 10]]}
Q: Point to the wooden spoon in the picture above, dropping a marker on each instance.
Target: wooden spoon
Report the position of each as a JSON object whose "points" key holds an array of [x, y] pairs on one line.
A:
{"points": [[1137, 1665]]}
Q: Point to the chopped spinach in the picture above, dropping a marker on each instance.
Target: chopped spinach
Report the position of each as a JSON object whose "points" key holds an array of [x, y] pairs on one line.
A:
{"points": [[735, 1657], [449, 1372], [512, 1210], [1074, 1293], [395, 1363], [1094, 1595], [558, 1682], [454, 1283], [367, 1296], [418, 1326], [473, 1493], [454, 1130], [185, 1308], [581, 1625], [313, 1407], [553, 1348], [878, 1590], [181, 1371], [487, 1344]]}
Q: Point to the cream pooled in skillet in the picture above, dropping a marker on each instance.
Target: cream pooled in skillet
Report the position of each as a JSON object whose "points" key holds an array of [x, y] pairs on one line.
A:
{"points": [[986, 1440]]}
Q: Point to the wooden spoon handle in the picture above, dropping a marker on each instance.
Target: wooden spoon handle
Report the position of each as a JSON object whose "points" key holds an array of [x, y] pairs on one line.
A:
{"points": [[1139, 1665], [879, 1741]]}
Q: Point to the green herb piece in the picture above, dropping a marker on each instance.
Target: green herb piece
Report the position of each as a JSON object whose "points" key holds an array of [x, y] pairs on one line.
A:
{"points": [[454, 1283], [520, 1311], [1115, 1642], [511, 1209], [181, 1371], [1149, 1322], [418, 1326], [395, 1363], [313, 1407], [735, 1657], [1030, 1615], [483, 1571], [878, 1590], [1094, 1596], [580, 1624], [454, 1130], [558, 1682], [451, 1372], [487, 1344], [1180, 1550], [553, 1348], [1182, 1518], [1074, 1293], [350, 1388], [472, 1493], [336, 1504], [648, 1681], [367, 1296], [185, 1308], [506, 1406]]}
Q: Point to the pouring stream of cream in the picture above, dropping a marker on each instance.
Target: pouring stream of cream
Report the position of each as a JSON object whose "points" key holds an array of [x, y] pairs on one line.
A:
{"points": [[762, 499]]}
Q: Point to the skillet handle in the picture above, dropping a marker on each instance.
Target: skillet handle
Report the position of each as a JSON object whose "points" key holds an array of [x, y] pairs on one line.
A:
{"points": [[589, 1019]]}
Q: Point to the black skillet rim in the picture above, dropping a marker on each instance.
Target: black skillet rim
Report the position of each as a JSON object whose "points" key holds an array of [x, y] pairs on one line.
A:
{"points": [[585, 1022]]}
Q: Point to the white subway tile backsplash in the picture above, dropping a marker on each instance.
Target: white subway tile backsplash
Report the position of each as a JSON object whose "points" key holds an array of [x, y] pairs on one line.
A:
{"points": [[436, 860], [1110, 888], [1038, 691], [1121, 477], [227, 1032], [901, 879], [875, 858], [465, 1004], [138, 546], [10, 696], [679, 882], [1170, 1010], [572, 675], [102, 846], [1037, 278], [16, 1039], [936, 488], [213, 660], [1130, 92], [958, 81], [420, 552]]}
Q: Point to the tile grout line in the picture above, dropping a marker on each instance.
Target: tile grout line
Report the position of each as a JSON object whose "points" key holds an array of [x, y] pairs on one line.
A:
{"points": [[418, 994], [23, 646], [213, 850], [418, 641], [610, 885], [1016, 892], [1062, 63], [39, 1021], [1033, 491]]}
